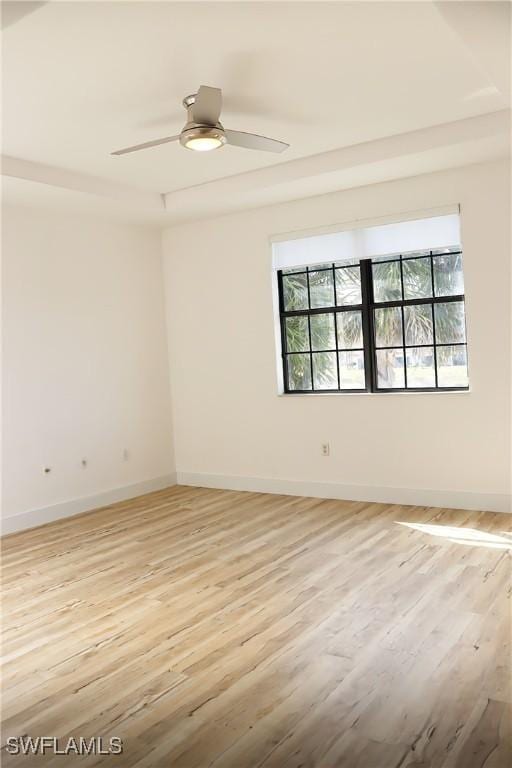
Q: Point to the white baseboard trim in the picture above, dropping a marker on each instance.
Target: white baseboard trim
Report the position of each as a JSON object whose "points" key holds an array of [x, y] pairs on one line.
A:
{"points": [[490, 502], [34, 517]]}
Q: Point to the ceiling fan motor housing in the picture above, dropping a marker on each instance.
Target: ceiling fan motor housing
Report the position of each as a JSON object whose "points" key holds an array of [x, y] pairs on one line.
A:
{"points": [[194, 130]]}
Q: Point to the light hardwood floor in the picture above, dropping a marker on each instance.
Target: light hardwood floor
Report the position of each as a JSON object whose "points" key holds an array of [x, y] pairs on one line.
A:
{"points": [[236, 630]]}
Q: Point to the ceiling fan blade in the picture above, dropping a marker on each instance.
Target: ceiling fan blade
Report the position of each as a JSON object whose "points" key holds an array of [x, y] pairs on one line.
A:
{"points": [[146, 145], [253, 141], [207, 106]]}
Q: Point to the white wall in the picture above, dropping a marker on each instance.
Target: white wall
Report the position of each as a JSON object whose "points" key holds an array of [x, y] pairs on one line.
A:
{"points": [[85, 365], [233, 430]]}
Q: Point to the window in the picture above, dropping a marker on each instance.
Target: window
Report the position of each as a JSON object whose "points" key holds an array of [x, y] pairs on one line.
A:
{"points": [[386, 324]]}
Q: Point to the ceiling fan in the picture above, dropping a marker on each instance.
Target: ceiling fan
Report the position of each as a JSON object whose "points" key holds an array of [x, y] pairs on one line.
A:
{"points": [[203, 131]]}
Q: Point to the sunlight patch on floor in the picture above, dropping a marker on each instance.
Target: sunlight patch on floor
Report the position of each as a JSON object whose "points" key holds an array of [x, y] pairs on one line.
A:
{"points": [[471, 537]]}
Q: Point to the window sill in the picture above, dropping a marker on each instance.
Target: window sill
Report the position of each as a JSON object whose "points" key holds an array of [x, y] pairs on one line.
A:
{"points": [[376, 394]]}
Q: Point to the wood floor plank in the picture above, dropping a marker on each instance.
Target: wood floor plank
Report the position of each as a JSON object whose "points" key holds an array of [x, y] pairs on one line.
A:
{"points": [[225, 629]]}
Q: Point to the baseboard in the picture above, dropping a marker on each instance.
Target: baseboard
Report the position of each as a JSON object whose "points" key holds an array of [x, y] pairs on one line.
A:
{"points": [[491, 502], [36, 517]]}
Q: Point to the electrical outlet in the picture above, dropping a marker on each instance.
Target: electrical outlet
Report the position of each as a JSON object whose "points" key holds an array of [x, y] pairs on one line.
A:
{"points": [[325, 449], [84, 463], [126, 454]]}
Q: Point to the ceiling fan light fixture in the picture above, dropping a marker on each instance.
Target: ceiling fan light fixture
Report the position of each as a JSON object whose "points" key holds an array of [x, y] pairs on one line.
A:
{"points": [[203, 143], [203, 139]]}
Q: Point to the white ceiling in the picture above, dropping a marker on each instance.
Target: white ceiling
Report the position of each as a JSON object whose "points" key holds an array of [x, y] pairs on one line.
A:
{"points": [[83, 78]]}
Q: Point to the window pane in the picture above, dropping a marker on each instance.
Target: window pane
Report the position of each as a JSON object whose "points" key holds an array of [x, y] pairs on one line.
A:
{"points": [[321, 266], [420, 367], [452, 366], [448, 277], [348, 286], [386, 281], [450, 323], [390, 368], [378, 259], [299, 372], [388, 327], [417, 278], [297, 334], [295, 292], [347, 263], [350, 330], [418, 324], [325, 374], [450, 249], [352, 370], [413, 254], [321, 289], [322, 331]]}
